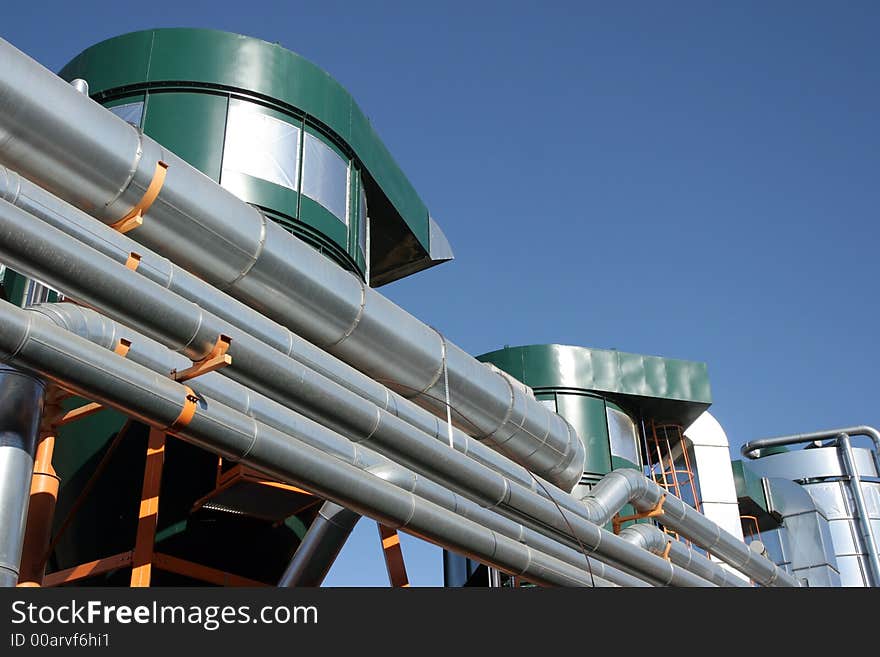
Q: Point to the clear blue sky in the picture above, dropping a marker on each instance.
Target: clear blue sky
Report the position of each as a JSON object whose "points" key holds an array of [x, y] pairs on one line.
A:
{"points": [[696, 180]]}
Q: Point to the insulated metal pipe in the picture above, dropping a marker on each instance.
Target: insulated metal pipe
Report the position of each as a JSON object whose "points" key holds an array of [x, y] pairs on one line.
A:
{"points": [[43, 205], [624, 486], [855, 486], [87, 370], [106, 333], [95, 160], [749, 450], [58, 214], [653, 539], [40, 250], [320, 546], [21, 407]]}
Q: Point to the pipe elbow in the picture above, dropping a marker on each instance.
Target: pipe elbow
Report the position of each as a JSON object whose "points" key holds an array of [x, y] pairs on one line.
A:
{"points": [[646, 536]]}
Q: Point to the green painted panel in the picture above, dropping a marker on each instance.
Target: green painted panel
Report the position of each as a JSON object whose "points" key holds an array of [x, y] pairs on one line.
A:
{"points": [[229, 61], [661, 388], [318, 216], [587, 416], [748, 485], [192, 124], [14, 286]]}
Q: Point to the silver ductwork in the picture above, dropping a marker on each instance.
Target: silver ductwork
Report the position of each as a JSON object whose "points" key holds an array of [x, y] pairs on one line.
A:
{"points": [[302, 455], [626, 486], [21, 407], [654, 540], [517, 506], [116, 246], [78, 150], [106, 333], [320, 546], [850, 471]]}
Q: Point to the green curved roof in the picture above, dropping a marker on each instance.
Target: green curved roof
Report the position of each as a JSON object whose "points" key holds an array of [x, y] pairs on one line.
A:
{"points": [[212, 58], [665, 389]]}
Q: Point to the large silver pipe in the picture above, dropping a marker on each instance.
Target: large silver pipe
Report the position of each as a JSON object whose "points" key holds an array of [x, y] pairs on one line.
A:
{"points": [[750, 449], [39, 250], [95, 160], [106, 333], [624, 486], [869, 542], [43, 205], [320, 546], [653, 539], [303, 455], [21, 407], [72, 222]]}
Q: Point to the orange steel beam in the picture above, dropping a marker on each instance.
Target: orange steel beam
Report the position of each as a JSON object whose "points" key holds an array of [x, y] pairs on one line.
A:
{"points": [[203, 573], [78, 413], [149, 510], [393, 556], [90, 569]]}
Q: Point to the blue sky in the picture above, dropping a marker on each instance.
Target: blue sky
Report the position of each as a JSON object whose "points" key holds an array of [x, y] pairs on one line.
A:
{"points": [[696, 180]]}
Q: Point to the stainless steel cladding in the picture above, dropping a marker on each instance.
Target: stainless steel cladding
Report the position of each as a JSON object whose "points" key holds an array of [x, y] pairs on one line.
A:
{"points": [[83, 153], [306, 454], [21, 407]]}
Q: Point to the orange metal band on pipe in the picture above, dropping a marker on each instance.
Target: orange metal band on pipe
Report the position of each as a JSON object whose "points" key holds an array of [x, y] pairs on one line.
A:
{"points": [[134, 218], [186, 413]]}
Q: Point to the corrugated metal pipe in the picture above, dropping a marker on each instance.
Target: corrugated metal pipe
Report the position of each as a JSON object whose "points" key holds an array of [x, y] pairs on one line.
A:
{"points": [[21, 408], [86, 155], [85, 369], [627, 486], [844, 447], [106, 333]]}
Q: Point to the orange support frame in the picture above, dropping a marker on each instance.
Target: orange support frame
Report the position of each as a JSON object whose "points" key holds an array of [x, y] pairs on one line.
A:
{"points": [[618, 520], [148, 518], [143, 558], [393, 557]]}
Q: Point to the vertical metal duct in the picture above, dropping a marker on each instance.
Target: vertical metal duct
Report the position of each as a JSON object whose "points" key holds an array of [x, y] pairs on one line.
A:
{"points": [[98, 162], [320, 546], [21, 407], [855, 487]]}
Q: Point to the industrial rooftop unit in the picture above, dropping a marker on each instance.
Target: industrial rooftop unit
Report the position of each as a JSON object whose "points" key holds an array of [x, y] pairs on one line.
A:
{"points": [[202, 385]]}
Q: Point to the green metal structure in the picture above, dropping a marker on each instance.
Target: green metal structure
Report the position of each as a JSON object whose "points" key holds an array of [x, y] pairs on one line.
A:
{"points": [[594, 388], [277, 131], [284, 136]]}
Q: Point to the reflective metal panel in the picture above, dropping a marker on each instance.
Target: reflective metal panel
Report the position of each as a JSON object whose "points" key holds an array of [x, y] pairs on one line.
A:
{"points": [[260, 145], [131, 112], [325, 177], [832, 498], [809, 463], [716, 475], [623, 436], [852, 571], [843, 538]]}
